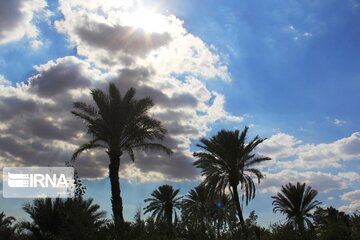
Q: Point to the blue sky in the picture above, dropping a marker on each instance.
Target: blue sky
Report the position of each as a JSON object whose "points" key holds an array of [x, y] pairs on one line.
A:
{"points": [[288, 69]]}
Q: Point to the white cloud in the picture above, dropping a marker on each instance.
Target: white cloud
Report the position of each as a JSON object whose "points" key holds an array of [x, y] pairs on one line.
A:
{"points": [[310, 156], [279, 146], [296, 33], [320, 181], [16, 20], [353, 199], [4, 81], [339, 122], [110, 41]]}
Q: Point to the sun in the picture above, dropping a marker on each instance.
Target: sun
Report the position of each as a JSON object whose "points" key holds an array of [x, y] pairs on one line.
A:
{"points": [[148, 20]]}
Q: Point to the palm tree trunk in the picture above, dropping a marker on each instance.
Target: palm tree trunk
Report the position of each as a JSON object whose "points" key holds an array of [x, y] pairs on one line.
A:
{"points": [[237, 205], [116, 200], [168, 214]]}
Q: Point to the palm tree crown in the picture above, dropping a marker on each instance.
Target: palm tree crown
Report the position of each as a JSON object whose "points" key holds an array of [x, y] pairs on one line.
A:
{"points": [[196, 202], [119, 124], [5, 221], [227, 161], [163, 203], [73, 218], [296, 202]]}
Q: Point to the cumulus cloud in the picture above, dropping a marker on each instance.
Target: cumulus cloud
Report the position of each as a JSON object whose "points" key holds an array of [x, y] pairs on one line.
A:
{"points": [[130, 40], [290, 153], [112, 40], [353, 201], [279, 146], [322, 182], [16, 20], [4, 81], [35, 114]]}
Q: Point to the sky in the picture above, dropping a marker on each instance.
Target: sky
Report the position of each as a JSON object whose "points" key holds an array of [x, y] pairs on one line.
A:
{"points": [[290, 70]]}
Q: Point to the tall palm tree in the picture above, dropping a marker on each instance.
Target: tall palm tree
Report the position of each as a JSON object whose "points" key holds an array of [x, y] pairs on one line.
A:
{"points": [[296, 202], [227, 161], [163, 204], [119, 124]]}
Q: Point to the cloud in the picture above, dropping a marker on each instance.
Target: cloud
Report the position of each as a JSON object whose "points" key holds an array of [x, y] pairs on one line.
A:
{"points": [[322, 182], [279, 146], [288, 152], [130, 40], [108, 38], [296, 33], [353, 199], [339, 122], [4, 81], [54, 78], [16, 20], [38, 128]]}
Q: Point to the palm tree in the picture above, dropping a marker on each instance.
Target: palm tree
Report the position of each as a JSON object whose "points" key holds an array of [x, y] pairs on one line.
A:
{"points": [[222, 211], [227, 161], [195, 206], [120, 125], [163, 204], [6, 229], [296, 202], [5, 221], [63, 219]]}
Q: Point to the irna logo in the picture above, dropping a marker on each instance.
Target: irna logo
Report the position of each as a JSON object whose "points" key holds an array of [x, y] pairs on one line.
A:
{"points": [[37, 182]]}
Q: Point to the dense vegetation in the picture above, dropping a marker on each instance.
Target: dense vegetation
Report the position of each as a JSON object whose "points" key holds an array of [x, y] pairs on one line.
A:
{"points": [[198, 219], [212, 210]]}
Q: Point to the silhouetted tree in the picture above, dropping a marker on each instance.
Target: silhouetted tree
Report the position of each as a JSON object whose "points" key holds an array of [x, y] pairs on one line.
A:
{"points": [[222, 212], [119, 124], [355, 225], [296, 202], [332, 224], [163, 204], [6, 228], [64, 219], [196, 209], [227, 161]]}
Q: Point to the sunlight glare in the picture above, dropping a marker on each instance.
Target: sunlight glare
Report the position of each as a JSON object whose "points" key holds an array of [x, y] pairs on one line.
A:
{"points": [[148, 20]]}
